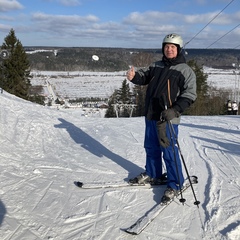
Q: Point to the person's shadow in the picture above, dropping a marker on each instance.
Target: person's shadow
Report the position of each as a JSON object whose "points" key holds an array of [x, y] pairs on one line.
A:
{"points": [[3, 211], [96, 148]]}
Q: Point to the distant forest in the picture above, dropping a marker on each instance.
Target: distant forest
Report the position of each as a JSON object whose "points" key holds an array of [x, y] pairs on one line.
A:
{"points": [[118, 59]]}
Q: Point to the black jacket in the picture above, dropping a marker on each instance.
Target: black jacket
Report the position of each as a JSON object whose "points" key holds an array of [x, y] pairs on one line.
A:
{"points": [[173, 79]]}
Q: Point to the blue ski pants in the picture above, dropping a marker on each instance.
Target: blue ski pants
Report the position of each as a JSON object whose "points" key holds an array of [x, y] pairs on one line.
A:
{"points": [[155, 153]]}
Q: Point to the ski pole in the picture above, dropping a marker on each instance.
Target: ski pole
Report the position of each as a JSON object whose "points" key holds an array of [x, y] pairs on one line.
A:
{"points": [[185, 166], [182, 200], [172, 133]]}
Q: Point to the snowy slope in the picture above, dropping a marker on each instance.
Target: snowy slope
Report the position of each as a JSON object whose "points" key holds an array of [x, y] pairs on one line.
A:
{"points": [[43, 151]]}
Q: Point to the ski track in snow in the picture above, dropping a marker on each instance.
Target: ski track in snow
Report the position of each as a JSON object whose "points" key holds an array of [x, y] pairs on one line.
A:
{"points": [[222, 185], [43, 151]]}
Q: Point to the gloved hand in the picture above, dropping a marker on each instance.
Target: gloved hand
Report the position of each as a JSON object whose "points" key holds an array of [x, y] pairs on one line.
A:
{"points": [[162, 135], [169, 114]]}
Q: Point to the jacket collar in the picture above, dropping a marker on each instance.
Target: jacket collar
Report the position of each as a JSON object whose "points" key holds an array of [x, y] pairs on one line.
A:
{"points": [[172, 62]]}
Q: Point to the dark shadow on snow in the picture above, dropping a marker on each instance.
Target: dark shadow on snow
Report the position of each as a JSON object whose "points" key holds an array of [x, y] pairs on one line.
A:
{"points": [[230, 146], [3, 211], [96, 148], [206, 127], [230, 227]]}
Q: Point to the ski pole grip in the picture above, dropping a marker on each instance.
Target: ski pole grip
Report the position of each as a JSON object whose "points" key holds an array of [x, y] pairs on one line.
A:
{"points": [[164, 100]]}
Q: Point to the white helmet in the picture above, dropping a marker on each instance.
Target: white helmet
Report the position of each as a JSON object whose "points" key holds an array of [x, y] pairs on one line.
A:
{"points": [[174, 39]]}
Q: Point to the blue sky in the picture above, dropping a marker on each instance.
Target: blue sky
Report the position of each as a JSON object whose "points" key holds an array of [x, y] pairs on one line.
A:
{"points": [[121, 23]]}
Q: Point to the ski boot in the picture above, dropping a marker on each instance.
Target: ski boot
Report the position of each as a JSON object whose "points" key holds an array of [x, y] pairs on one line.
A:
{"points": [[169, 194], [141, 179]]}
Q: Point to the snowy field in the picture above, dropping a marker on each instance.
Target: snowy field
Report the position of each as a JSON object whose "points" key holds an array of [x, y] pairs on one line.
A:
{"points": [[43, 151], [220, 78], [71, 85]]}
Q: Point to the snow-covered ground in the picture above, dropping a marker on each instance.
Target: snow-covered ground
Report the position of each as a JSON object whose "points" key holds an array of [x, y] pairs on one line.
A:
{"points": [[222, 78], [72, 85], [43, 151]]}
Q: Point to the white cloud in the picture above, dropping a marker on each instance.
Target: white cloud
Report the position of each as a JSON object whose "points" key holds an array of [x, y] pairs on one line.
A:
{"points": [[9, 5], [160, 18], [222, 19], [67, 2], [144, 29], [4, 27], [63, 19], [154, 18], [70, 2]]}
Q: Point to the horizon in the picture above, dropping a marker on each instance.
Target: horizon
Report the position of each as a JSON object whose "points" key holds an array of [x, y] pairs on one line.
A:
{"points": [[207, 49]]}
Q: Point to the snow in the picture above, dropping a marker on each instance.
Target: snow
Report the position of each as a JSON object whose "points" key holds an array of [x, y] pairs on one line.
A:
{"points": [[222, 78], [44, 150], [80, 84], [76, 84]]}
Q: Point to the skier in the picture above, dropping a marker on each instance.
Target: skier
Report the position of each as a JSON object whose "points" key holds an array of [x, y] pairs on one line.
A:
{"points": [[173, 78], [234, 108], [229, 107]]}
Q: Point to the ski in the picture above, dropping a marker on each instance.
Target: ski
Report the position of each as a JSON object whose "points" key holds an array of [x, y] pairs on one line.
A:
{"points": [[146, 219], [97, 185]]}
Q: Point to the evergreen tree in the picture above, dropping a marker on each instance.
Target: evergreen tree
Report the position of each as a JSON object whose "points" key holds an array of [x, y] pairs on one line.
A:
{"points": [[199, 107], [15, 69], [111, 111], [141, 60], [119, 101], [124, 97], [124, 93], [140, 94]]}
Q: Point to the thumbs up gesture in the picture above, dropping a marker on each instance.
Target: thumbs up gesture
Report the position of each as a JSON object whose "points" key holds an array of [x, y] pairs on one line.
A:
{"points": [[131, 73]]}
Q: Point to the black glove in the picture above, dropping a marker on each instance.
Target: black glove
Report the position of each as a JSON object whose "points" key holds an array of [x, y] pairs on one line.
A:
{"points": [[162, 135], [169, 114]]}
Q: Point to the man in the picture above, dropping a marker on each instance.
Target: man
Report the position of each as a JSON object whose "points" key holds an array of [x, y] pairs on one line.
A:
{"points": [[171, 90]]}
